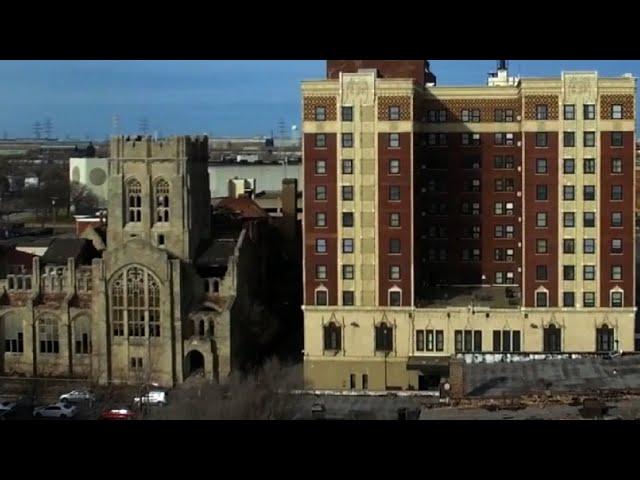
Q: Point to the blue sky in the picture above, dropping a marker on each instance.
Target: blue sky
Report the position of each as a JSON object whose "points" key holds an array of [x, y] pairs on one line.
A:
{"points": [[221, 98]]}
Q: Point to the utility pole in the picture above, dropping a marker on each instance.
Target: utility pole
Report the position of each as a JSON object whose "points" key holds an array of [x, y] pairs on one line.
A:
{"points": [[36, 129]]}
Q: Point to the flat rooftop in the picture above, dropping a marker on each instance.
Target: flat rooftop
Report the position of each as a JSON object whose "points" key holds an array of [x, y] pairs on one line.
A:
{"points": [[507, 296]]}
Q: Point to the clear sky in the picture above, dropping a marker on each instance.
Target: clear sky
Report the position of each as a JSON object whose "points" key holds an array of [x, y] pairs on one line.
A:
{"points": [[221, 98]]}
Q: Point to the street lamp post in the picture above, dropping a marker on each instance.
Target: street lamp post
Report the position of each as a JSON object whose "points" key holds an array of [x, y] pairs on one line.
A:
{"points": [[53, 208]]}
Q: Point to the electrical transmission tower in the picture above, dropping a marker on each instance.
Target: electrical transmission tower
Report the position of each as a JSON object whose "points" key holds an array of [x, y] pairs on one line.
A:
{"points": [[143, 125], [48, 128], [115, 124], [37, 128], [282, 130]]}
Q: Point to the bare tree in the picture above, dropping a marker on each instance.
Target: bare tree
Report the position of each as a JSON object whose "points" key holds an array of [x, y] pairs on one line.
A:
{"points": [[81, 198]]}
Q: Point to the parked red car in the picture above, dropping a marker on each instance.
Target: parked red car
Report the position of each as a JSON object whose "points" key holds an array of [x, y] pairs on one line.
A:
{"points": [[118, 414]]}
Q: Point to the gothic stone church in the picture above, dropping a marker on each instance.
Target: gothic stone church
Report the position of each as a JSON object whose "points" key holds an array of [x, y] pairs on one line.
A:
{"points": [[156, 304]]}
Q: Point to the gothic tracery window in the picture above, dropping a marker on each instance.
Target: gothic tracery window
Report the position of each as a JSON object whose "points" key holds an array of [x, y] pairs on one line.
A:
{"points": [[135, 304], [162, 200], [134, 200]]}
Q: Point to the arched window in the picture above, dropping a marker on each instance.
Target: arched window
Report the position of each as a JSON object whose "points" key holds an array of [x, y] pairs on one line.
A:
{"points": [[604, 338], [134, 201], [48, 334], [201, 328], [384, 338], [13, 334], [135, 303], [162, 200], [82, 335], [552, 339], [332, 337], [395, 297]]}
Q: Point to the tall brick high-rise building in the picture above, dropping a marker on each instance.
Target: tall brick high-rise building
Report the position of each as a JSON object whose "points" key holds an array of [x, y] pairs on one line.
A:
{"points": [[440, 221]]}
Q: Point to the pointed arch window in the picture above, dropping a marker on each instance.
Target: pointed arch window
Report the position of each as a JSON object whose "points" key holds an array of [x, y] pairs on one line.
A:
{"points": [[384, 338], [552, 339], [134, 201], [161, 196], [48, 334], [332, 337], [135, 304]]}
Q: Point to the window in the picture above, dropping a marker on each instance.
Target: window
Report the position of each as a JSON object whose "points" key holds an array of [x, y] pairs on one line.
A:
{"points": [[134, 196], [321, 167], [394, 167], [589, 219], [394, 245], [569, 245], [394, 193], [140, 292], [384, 338], [552, 339], [347, 245], [541, 219], [498, 208], [569, 139], [439, 340], [347, 219], [568, 193], [542, 139], [589, 112], [420, 340], [161, 240], [468, 341], [616, 219], [569, 219], [320, 114], [616, 139], [568, 272], [347, 272], [332, 336], [589, 272], [395, 298], [162, 200], [568, 299], [501, 162], [48, 334], [589, 193], [352, 381], [542, 299], [347, 167], [321, 192], [589, 245], [541, 245], [541, 112], [394, 272], [394, 219], [321, 272], [13, 334], [503, 115], [498, 254], [589, 139], [136, 363], [542, 192], [541, 272], [589, 165], [604, 339], [347, 298], [365, 381], [471, 162], [504, 139], [616, 272], [322, 297], [321, 245], [616, 299], [616, 165], [394, 113], [616, 192], [470, 139], [569, 112], [394, 140], [589, 299], [616, 112], [541, 166], [569, 166], [616, 245], [347, 114], [321, 140], [347, 192], [321, 219], [347, 140]]}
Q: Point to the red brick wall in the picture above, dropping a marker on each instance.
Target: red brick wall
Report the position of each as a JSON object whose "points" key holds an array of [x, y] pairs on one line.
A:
{"points": [[626, 206], [414, 69], [531, 207], [385, 207], [311, 206]]}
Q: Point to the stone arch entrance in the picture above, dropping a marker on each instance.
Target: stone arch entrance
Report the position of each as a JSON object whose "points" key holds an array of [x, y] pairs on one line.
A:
{"points": [[194, 364]]}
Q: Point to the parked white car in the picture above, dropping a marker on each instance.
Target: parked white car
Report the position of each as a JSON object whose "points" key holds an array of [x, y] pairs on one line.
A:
{"points": [[154, 397], [57, 410], [77, 396], [7, 406]]}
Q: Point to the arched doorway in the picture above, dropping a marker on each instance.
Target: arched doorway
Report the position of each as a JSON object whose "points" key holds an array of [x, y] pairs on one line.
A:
{"points": [[194, 364]]}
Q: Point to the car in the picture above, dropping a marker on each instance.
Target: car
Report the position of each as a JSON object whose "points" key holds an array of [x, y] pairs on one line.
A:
{"points": [[154, 397], [7, 406], [56, 410], [77, 396], [118, 414]]}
